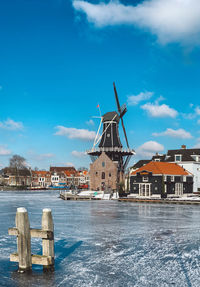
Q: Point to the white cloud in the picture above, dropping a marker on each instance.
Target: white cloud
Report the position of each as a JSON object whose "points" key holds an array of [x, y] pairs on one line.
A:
{"points": [[4, 150], [11, 125], [78, 153], [180, 133], [159, 111], [170, 20], [148, 149], [135, 99], [73, 133], [90, 122]]}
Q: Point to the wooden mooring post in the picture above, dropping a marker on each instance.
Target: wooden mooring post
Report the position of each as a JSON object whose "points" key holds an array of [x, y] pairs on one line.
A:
{"points": [[24, 234]]}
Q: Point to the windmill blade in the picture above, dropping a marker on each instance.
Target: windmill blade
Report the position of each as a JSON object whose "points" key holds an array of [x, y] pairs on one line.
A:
{"points": [[126, 162], [116, 97], [124, 132]]}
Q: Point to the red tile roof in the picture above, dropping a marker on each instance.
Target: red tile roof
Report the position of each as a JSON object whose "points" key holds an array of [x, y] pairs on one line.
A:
{"points": [[162, 168]]}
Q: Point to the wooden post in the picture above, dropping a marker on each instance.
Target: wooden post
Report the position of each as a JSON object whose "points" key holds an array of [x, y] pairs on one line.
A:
{"points": [[48, 245], [23, 239]]}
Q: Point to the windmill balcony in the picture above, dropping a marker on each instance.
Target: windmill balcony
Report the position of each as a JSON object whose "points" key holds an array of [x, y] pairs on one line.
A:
{"points": [[111, 149]]}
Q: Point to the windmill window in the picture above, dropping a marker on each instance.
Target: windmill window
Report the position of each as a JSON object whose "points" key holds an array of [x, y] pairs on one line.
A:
{"points": [[108, 135], [96, 173], [103, 175], [103, 164], [109, 174]]}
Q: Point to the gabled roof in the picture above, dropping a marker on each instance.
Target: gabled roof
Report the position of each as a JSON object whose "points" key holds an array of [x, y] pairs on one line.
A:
{"points": [[186, 154], [157, 167]]}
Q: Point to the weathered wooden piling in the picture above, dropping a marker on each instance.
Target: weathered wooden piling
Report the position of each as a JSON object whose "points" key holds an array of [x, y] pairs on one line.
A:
{"points": [[23, 239], [48, 245], [24, 234]]}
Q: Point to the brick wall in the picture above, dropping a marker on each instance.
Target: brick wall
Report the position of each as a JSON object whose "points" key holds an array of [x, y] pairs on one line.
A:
{"points": [[103, 166]]}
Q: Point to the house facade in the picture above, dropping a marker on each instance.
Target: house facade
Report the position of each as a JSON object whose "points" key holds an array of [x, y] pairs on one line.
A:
{"points": [[41, 179], [16, 177], [189, 159], [161, 180]]}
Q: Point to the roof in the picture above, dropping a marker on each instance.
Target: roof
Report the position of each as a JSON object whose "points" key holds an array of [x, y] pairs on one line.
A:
{"points": [[62, 168], [157, 167], [161, 157], [111, 116], [41, 172], [140, 163], [20, 172], [186, 154]]}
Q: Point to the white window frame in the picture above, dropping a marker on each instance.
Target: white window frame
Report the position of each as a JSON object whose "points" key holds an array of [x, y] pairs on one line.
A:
{"points": [[180, 157], [145, 178]]}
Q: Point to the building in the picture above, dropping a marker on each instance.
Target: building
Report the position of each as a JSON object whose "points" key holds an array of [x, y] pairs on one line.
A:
{"points": [[103, 173], [16, 177], [189, 159], [41, 178], [109, 159], [161, 180]]}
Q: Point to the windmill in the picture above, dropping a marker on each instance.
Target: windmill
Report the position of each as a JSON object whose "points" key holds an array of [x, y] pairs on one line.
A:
{"points": [[109, 141]]}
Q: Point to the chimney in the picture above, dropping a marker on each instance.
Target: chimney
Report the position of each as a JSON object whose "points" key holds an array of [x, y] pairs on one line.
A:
{"points": [[183, 146]]}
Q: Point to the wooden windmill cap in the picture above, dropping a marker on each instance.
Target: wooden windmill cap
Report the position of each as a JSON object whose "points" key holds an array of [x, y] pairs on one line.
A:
{"points": [[111, 116]]}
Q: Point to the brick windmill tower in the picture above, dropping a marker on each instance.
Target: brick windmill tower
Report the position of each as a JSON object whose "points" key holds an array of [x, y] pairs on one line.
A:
{"points": [[109, 159]]}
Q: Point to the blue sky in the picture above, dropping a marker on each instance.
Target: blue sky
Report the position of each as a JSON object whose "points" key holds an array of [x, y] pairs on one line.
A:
{"points": [[58, 59]]}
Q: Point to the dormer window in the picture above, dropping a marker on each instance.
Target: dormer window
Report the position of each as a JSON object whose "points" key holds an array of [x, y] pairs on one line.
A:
{"points": [[178, 157]]}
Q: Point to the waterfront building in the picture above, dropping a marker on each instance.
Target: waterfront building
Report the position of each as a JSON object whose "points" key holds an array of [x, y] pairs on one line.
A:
{"points": [[161, 180], [189, 159], [16, 177], [41, 178], [109, 159]]}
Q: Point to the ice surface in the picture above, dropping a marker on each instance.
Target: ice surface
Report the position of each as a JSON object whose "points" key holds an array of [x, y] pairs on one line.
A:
{"points": [[106, 243]]}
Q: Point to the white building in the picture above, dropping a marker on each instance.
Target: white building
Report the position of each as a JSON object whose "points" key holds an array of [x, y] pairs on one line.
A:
{"points": [[189, 159]]}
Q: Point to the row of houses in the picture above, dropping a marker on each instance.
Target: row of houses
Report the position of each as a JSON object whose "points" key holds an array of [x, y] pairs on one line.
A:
{"points": [[55, 177]]}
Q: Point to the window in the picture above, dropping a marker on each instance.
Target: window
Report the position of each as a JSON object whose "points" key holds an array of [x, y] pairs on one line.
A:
{"points": [[108, 135], [103, 175], [172, 178], [103, 164], [145, 178], [156, 188], [178, 157], [96, 173], [165, 178], [184, 178], [109, 174]]}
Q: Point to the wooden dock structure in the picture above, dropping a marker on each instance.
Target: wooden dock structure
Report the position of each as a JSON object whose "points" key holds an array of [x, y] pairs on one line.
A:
{"points": [[24, 234], [68, 196], [160, 201]]}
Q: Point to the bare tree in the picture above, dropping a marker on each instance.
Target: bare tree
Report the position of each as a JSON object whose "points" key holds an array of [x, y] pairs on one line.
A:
{"points": [[17, 163]]}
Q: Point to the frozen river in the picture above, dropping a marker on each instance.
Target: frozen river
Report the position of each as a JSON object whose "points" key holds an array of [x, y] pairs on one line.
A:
{"points": [[106, 243]]}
